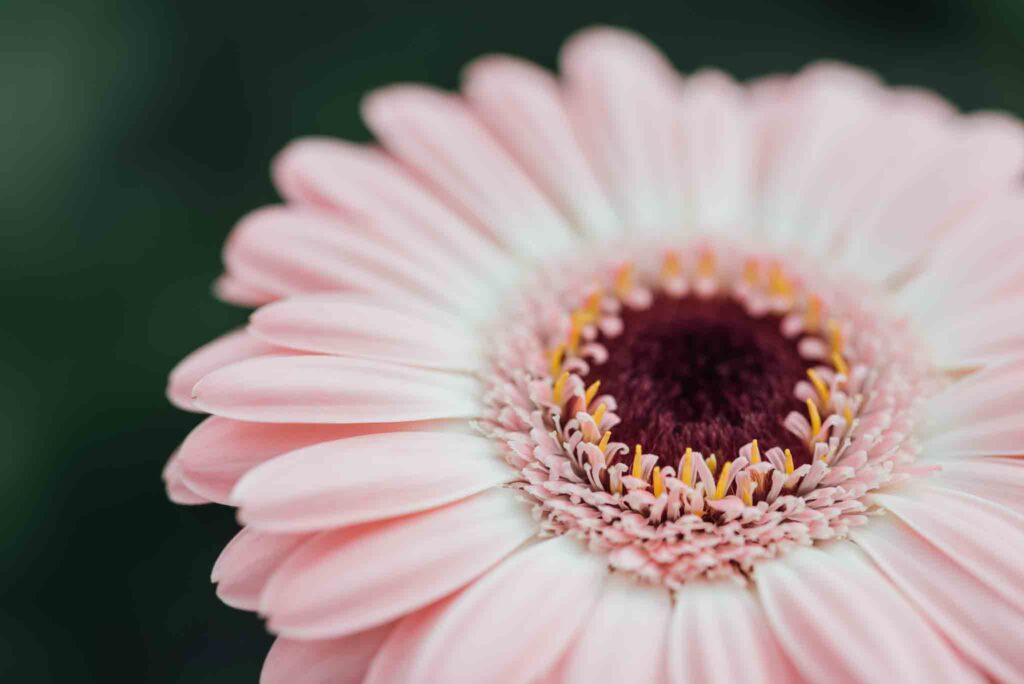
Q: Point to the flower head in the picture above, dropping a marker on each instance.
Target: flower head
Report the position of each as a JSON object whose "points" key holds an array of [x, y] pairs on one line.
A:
{"points": [[626, 376]]}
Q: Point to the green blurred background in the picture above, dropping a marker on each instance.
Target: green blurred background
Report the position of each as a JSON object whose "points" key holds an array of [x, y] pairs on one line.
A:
{"points": [[132, 136]]}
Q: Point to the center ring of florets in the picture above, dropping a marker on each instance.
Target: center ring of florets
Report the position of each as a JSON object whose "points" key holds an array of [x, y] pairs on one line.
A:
{"points": [[708, 342]]}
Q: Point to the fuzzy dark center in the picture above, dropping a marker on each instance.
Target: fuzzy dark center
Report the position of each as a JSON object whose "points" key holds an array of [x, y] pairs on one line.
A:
{"points": [[702, 374]]}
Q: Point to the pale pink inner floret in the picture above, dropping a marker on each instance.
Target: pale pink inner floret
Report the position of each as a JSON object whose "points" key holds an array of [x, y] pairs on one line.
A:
{"points": [[710, 515]]}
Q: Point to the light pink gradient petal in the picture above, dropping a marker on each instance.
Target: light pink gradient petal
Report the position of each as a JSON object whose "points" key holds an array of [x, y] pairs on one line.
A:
{"points": [[839, 619], [624, 100], [510, 626], [976, 621], [246, 563], [178, 490], [717, 156], [330, 389], [981, 536], [361, 479], [225, 350], [719, 635], [353, 325], [438, 135], [352, 579], [219, 451], [637, 615], [233, 291], [523, 104], [1000, 480], [330, 661], [365, 183], [296, 250]]}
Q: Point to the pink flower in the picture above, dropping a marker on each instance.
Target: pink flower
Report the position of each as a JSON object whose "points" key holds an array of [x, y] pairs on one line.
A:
{"points": [[630, 377]]}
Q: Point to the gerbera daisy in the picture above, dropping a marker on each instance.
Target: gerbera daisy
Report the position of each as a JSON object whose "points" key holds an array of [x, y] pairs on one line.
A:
{"points": [[626, 376]]}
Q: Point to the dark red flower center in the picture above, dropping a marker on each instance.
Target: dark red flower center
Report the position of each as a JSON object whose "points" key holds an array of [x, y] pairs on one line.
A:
{"points": [[702, 374]]}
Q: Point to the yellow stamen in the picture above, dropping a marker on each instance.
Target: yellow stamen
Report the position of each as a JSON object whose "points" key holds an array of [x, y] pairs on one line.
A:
{"points": [[723, 480], [576, 331], [556, 393], [599, 413], [624, 280], [789, 462], [706, 264], [638, 463], [751, 272], [605, 439], [688, 467], [556, 359], [747, 494], [848, 415], [671, 266], [778, 284], [755, 453], [592, 392], [840, 363], [835, 333], [593, 305], [712, 463], [812, 411], [819, 385], [659, 483], [812, 317]]}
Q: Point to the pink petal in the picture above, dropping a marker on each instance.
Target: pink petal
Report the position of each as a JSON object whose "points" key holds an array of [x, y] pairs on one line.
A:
{"points": [[225, 350], [509, 626], [839, 619], [1000, 480], [975, 620], [1000, 437], [983, 537], [364, 182], [328, 661], [178, 490], [718, 151], [635, 616], [437, 135], [965, 277], [296, 250], [992, 393], [624, 98], [719, 634], [523, 105], [329, 389], [246, 563], [232, 291], [980, 155], [350, 325], [219, 451], [352, 579], [367, 478]]}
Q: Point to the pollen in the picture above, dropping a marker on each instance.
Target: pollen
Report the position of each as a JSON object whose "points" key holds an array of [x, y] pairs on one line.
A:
{"points": [[819, 385], [607, 437], [599, 413], [687, 467], [555, 360], [624, 280], [755, 453], [591, 393], [840, 364], [789, 462], [638, 462], [706, 264], [559, 388], [671, 266], [815, 417], [658, 482], [723, 480]]}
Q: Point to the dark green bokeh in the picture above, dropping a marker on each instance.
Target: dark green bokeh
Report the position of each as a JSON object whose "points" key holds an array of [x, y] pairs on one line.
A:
{"points": [[132, 136]]}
